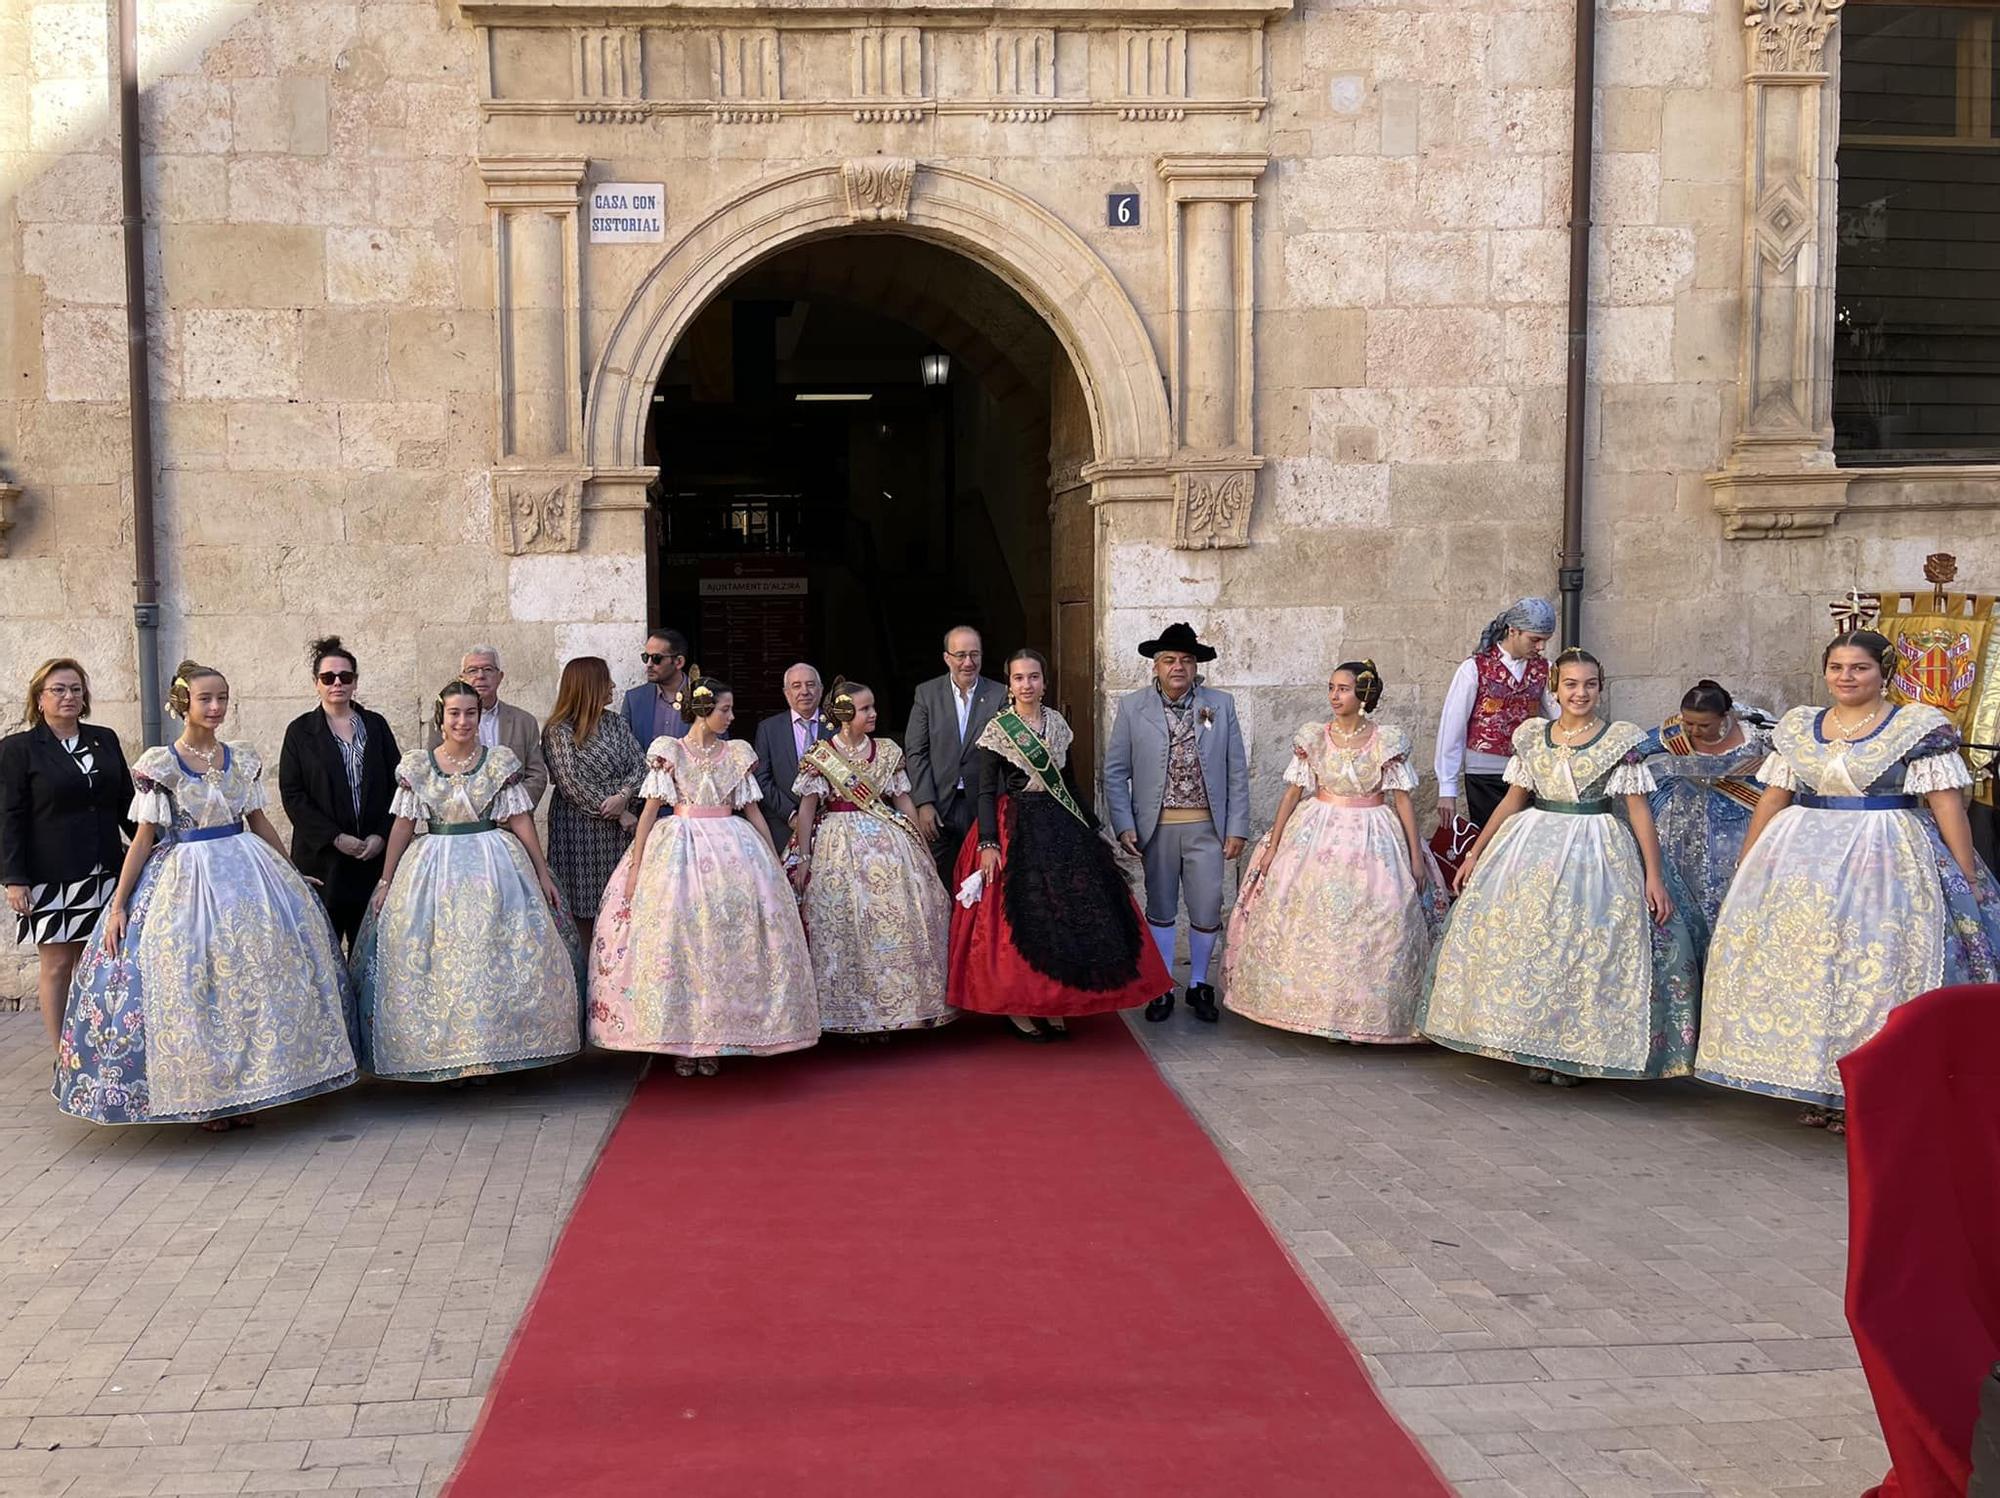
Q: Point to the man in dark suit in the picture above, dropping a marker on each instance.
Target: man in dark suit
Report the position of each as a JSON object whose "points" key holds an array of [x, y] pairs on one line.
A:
{"points": [[649, 707], [947, 716], [782, 739]]}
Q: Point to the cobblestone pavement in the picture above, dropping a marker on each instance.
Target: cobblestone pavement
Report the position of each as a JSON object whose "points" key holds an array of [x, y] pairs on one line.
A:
{"points": [[1616, 1290]]}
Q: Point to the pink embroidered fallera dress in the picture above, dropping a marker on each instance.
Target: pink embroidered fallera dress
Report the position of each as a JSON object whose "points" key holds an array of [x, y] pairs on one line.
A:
{"points": [[1336, 940], [708, 958]]}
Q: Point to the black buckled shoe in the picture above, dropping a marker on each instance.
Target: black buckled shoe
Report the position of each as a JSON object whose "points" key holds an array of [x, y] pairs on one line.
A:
{"points": [[1161, 1007], [1201, 999]]}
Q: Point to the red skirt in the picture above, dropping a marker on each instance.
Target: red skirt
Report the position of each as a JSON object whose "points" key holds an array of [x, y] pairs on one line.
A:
{"points": [[1101, 930]]}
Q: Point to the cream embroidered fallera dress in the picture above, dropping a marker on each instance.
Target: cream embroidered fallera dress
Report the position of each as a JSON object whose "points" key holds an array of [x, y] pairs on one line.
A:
{"points": [[464, 971], [877, 919], [1550, 958], [1839, 914], [708, 958], [1334, 941]]}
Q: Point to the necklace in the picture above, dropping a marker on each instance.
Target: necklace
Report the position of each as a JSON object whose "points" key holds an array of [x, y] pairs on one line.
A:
{"points": [[464, 763], [1845, 732], [1345, 739], [210, 772], [1569, 736]]}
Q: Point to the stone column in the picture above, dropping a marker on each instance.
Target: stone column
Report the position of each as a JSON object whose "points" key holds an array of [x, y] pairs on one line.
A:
{"points": [[1780, 478], [1211, 281], [538, 473]]}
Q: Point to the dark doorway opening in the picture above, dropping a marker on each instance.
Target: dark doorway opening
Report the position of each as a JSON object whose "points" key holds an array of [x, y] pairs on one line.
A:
{"points": [[854, 442]]}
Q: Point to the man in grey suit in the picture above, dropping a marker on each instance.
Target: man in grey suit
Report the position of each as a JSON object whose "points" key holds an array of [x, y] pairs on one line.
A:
{"points": [[501, 722], [781, 742], [649, 707], [1177, 783], [947, 716]]}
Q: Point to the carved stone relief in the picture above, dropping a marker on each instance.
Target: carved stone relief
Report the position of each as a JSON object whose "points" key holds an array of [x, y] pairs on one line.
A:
{"points": [[537, 511], [1789, 36], [1021, 65], [747, 74], [878, 188], [1212, 507], [1153, 74]]}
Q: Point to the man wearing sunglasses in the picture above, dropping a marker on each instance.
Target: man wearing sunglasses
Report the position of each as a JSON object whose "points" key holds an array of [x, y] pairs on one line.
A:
{"points": [[501, 722], [650, 707]]}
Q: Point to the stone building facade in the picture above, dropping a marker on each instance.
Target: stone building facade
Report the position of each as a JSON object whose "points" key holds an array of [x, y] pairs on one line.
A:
{"points": [[1317, 388]]}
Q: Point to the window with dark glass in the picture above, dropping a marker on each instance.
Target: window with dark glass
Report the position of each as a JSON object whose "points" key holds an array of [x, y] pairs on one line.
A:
{"points": [[1916, 365]]}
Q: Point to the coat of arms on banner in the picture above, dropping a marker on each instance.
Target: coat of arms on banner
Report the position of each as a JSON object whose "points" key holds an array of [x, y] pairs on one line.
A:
{"points": [[1948, 656]]}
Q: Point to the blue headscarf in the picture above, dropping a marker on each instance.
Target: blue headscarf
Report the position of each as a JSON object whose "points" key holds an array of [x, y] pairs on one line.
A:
{"points": [[1536, 615]]}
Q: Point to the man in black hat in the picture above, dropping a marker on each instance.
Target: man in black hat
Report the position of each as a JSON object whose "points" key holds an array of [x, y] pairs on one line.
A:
{"points": [[1177, 783]]}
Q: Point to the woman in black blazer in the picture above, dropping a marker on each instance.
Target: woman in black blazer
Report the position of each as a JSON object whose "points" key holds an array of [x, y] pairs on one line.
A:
{"points": [[336, 776], [65, 794]]}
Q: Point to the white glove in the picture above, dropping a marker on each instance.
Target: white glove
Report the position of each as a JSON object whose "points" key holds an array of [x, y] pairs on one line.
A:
{"points": [[969, 892]]}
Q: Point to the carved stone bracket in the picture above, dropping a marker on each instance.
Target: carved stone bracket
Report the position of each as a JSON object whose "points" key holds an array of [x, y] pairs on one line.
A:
{"points": [[878, 188], [10, 499], [1211, 269], [1789, 36], [537, 511], [1212, 505]]}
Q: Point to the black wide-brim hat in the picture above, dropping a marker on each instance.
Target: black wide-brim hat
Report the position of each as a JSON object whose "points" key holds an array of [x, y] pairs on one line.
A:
{"points": [[1178, 637]]}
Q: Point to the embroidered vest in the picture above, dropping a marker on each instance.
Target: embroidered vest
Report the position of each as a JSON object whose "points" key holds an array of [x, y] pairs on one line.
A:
{"points": [[1503, 704]]}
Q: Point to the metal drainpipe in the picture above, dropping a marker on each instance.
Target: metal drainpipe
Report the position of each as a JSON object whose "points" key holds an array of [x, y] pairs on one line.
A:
{"points": [[1569, 561], [146, 586]]}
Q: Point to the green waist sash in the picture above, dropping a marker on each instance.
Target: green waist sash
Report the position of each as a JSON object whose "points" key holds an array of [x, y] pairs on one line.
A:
{"points": [[1601, 808], [460, 829]]}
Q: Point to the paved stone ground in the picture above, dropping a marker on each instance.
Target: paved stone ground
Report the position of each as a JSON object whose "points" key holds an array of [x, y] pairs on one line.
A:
{"points": [[1617, 1290]]}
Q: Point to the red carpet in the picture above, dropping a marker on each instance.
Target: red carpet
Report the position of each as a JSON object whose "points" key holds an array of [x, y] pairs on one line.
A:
{"points": [[956, 1267]]}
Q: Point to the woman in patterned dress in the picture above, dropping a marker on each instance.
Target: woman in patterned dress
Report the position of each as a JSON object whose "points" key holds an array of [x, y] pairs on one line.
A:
{"points": [[1565, 953], [1704, 760], [1859, 889], [876, 917], [1331, 935], [1054, 931], [64, 791], [701, 954], [596, 767], [466, 965], [214, 986]]}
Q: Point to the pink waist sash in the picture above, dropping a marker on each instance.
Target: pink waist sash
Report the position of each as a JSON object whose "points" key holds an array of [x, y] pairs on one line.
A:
{"points": [[704, 811], [1352, 801]]}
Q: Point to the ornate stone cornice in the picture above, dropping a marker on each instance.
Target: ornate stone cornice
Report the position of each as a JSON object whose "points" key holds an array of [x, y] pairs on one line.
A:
{"points": [[1790, 35]]}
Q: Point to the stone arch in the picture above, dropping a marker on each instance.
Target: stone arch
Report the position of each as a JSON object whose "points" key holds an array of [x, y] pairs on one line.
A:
{"points": [[1008, 233]]}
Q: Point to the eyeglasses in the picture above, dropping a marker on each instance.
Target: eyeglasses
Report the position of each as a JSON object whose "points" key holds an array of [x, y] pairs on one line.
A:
{"points": [[962, 655], [336, 678], [471, 671], [63, 691], [654, 660]]}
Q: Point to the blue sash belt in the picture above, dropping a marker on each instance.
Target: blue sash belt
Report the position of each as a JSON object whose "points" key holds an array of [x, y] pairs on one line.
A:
{"points": [[1599, 808], [459, 829], [1856, 803], [208, 834]]}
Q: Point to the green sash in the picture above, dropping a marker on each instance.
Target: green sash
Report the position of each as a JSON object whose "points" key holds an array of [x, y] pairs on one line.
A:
{"points": [[856, 783], [1035, 750]]}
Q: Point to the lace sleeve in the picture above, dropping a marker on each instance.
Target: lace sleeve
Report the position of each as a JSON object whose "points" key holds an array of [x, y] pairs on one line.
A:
{"points": [[1937, 772], [1777, 773], [1299, 771], [512, 801], [898, 784], [1399, 774], [152, 793], [659, 782], [747, 790], [809, 783], [253, 777], [1518, 773], [1631, 778]]}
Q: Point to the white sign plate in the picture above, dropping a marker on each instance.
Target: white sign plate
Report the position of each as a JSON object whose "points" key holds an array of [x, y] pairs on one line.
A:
{"points": [[628, 213]]}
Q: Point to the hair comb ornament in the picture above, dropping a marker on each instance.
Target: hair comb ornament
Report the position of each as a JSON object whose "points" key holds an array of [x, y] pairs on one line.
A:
{"points": [[1856, 610]]}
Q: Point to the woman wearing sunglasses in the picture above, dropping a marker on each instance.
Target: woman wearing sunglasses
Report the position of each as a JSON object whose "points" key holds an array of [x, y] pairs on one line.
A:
{"points": [[336, 776]]}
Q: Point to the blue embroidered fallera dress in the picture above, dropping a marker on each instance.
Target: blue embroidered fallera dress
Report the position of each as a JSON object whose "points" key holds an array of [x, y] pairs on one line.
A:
{"points": [[1849, 905], [1700, 824], [228, 993]]}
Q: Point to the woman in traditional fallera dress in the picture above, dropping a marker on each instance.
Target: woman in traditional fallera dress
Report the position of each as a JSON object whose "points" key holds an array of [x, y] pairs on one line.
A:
{"points": [[465, 966], [698, 951], [1564, 953], [1054, 931], [1704, 761], [1331, 935], [1858, 890], [214, 984], [876, 916]]}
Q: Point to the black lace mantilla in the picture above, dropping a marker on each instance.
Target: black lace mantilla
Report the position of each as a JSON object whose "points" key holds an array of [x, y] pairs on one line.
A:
{"points": [[1071, 915]]}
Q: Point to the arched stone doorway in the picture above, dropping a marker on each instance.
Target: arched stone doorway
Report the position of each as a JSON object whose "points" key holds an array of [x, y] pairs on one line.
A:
{"points": [[1084, 415]]}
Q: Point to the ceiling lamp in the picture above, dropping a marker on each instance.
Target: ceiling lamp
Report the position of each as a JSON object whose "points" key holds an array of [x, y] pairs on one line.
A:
{"points": [[935, 369]]}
